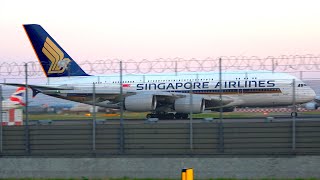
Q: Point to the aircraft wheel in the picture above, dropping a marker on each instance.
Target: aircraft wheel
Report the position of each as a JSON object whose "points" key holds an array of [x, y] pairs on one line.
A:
{"points": [[178, 116], [294, 114], [170, 116]]}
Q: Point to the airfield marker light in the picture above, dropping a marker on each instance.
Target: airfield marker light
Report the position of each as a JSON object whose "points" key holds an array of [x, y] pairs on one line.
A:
{"points": [[187, 174], [184, 174]]}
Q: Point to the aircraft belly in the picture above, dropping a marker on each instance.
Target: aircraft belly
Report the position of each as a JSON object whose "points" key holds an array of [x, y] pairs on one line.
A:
{"points": [[259, 100], [81, 97]]}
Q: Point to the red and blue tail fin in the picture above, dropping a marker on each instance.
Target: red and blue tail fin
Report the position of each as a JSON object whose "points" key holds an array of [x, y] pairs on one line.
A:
{"points": [[53, 59], [18, 96]]}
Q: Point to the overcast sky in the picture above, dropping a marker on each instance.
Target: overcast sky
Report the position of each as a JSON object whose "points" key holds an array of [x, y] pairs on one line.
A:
{"points": [[137, 29]]}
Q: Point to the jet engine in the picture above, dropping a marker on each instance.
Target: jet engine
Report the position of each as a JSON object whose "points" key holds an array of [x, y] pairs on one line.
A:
{"points": [[311, 105], [140, 103], [182, 105]]}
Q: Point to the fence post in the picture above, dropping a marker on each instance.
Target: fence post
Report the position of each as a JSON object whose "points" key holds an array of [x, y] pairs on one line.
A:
{"points": [[221, 138], [176, 68], [294, 114], [191, 118], [1, 131], [27, 139], [94, 118], [121, 113], [273, 66]]}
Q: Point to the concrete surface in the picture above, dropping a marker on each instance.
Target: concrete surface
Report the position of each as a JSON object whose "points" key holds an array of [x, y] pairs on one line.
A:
{"points": [[224, 167]]}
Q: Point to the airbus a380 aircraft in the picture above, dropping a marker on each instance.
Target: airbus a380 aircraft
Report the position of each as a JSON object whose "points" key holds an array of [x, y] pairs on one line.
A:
{"points": [[164, 95]]}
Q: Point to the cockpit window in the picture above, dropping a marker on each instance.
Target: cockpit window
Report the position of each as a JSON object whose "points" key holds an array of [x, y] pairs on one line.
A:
{"points": [[302, 85]]}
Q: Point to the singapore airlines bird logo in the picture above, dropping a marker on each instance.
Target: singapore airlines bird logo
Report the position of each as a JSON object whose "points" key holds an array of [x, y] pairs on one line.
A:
{"points": [[56, 56]]}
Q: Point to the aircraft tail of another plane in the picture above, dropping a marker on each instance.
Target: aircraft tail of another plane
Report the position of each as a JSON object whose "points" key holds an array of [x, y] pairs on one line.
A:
{"points": [[54, 60], [17, 98]]}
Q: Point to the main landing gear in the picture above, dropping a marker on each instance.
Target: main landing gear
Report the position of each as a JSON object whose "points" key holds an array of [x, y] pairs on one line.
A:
{"points": [[168, 115]]}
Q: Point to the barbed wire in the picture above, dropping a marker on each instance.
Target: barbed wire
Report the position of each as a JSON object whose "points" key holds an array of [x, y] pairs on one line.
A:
{"points": [[281, 63]]}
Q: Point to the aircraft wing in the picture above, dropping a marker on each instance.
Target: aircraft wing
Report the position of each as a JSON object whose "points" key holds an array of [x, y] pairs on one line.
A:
{"points": [[39, 88], [213, 102]]}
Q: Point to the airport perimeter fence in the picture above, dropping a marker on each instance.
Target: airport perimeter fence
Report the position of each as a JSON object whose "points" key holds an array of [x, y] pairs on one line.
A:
{"points": [[163, 139], [187, 138]]}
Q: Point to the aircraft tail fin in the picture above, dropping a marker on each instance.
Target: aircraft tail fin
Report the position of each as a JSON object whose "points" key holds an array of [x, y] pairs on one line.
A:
{"points": [[18, 96], [54, 60]]}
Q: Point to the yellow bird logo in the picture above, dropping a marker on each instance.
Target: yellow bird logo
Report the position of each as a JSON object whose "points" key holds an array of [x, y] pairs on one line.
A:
{"points": [[56, 56]]}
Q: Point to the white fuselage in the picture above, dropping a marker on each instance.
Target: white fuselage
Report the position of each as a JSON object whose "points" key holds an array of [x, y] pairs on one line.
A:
{"points": [[246, 88]]}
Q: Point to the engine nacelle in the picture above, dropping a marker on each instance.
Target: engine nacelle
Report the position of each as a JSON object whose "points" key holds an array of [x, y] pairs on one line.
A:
{"points": [[311, 106], [183, 105], [140, 103]]}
